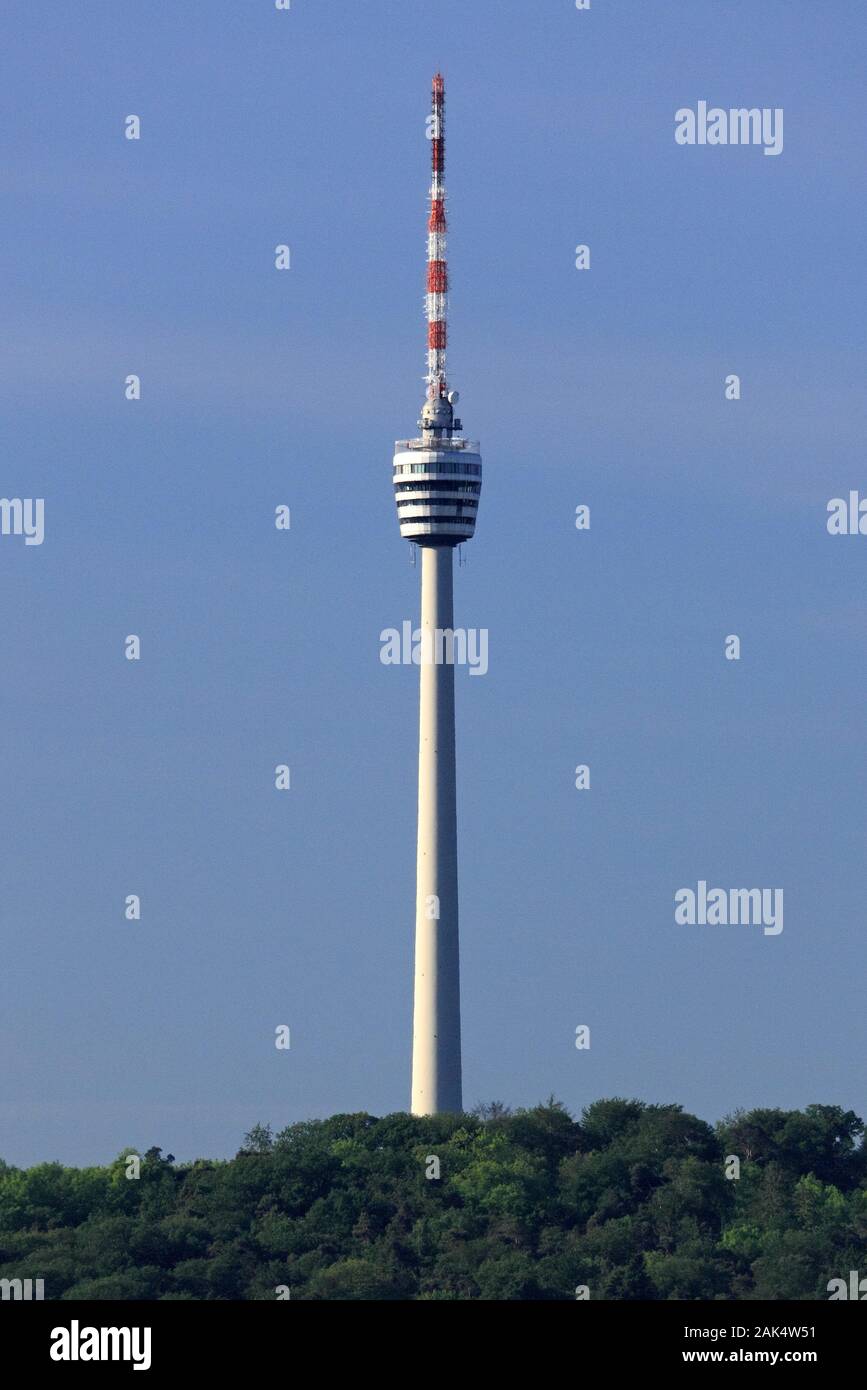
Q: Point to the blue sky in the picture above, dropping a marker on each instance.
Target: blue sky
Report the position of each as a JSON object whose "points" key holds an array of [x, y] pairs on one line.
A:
{"points": [[258, 647]]}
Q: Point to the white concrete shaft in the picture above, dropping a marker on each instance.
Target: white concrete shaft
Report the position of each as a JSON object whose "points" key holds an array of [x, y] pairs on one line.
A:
{"points": [[436, 1039]]}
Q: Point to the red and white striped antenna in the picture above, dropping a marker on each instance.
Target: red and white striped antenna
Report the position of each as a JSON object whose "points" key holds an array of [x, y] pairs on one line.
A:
{"points": [[437, 270]]}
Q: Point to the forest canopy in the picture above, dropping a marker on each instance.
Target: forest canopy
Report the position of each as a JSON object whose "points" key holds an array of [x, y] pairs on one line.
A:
{"points": [[631, 1201]]}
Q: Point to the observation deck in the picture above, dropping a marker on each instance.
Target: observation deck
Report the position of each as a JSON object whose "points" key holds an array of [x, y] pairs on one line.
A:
{"points": [[437, 482]]}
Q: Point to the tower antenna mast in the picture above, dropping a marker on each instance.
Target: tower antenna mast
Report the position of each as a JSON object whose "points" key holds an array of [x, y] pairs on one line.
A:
{"points": [[437, 267]]}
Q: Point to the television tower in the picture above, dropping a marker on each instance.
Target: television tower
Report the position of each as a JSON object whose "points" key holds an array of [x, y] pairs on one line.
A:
{"points": [[437, 481]]}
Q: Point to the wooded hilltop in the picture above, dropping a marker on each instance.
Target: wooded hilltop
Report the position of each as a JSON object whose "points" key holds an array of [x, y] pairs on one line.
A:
{"points": [[631, 1201]]}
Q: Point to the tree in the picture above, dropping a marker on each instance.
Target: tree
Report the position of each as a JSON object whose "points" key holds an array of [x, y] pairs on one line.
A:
{"points": [[258, 1140]]}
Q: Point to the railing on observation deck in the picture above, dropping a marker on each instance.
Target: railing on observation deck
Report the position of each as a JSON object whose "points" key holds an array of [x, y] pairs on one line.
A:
{"points": [[469, 445]]}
